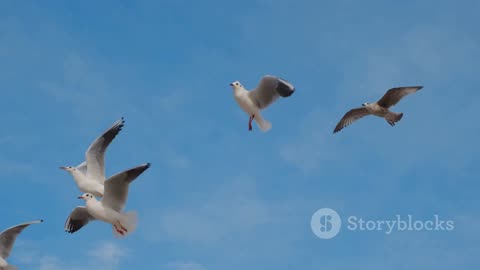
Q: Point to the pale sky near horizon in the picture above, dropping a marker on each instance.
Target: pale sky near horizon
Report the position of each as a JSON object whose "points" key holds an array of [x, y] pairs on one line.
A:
{"points": [[218, 197]]}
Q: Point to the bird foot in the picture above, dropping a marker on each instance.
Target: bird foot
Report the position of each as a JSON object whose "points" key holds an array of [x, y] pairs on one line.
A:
{"points": [[119, 228]]}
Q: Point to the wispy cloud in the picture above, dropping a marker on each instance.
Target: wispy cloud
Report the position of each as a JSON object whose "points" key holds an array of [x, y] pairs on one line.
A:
{"points": [[104, 255], [233, 208]]}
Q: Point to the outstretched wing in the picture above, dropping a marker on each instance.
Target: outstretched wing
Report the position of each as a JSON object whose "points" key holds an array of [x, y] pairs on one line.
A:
{"points": [[77, 219], [394, 95], [8, 237], [269, 89], [96, 152], [350, 117], [116, 187]]}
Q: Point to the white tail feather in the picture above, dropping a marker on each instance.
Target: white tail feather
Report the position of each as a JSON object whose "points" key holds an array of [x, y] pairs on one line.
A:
{"points": [[128, 224], [263, 124]]}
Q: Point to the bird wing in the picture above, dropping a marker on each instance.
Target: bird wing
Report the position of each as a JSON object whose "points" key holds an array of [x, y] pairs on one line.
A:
{"points": [[351, 117], [116, 187], [78, 218], [82, 167], [96, 152], [269, 89], [8, 237], [394, 95]]}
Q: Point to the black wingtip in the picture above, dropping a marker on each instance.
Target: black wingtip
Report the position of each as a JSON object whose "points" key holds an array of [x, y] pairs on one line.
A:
{"points": [[41, 220]]}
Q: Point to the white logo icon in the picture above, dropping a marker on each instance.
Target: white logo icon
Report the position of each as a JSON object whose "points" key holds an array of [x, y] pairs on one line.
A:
{"points": [[326, 223]]}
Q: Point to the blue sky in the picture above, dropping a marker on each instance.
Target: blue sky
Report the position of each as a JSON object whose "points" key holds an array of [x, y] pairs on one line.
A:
{"points": [[217, 196]]}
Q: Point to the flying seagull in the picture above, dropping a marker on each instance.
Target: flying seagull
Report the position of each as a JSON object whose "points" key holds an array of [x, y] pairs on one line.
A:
{"points": [[252, 102], [110, 208], [379, 108], [7, 240], [90, 174]]}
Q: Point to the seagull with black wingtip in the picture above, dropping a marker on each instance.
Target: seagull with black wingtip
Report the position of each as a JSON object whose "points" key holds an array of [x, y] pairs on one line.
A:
{"points": [[90, 174], [252, 102]]}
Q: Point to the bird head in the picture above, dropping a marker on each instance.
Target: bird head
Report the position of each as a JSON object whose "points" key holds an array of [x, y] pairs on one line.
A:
{"points": [[236, 85], [86, 196]]}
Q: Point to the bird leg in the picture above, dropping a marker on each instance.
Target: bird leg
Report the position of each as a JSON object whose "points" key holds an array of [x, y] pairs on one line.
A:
{"points": [[123, 228], [118, 231], [250, 122]]}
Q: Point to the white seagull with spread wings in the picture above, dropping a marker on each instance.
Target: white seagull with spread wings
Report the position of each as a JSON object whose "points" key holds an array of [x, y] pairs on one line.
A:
{"points": [[110, 208], [7, 240], [252, 102], [379, 108], [90, 174]]}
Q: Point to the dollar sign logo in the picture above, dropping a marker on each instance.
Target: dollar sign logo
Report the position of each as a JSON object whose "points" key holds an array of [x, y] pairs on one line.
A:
{"points": [[326, 223]]}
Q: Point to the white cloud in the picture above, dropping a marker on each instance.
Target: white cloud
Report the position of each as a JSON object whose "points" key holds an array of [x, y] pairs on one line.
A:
{"points": [[108, 254]]}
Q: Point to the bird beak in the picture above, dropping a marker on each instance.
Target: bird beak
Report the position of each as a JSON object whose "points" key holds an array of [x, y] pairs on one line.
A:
{"points": [[80, 197], [63, 168], [231, 84]]}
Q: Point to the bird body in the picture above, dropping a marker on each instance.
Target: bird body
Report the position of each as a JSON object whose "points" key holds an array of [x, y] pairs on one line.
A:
{"points": [[100, 212], [87, 185], [375, 109], [241, 97]]}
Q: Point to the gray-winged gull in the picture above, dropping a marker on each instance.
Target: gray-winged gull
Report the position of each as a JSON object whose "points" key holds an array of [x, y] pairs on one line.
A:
{"points": [[379, 108]]}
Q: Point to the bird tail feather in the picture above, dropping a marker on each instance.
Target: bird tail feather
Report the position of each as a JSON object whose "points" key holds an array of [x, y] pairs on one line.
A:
{"points": [[10, 267], [263, 124], [392, 117], [128, 224]]}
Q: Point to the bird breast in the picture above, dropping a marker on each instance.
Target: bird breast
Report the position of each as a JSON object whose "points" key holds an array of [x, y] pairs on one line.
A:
{"points": [[245, 102], [98, 211], [376, 109]]}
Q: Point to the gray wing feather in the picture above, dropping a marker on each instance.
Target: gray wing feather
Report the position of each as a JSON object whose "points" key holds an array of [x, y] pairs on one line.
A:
{"points": [[116, 187], [96, 152], [269, 90], [77, 219], [350, 117], [8, 237], [394, 95]]}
